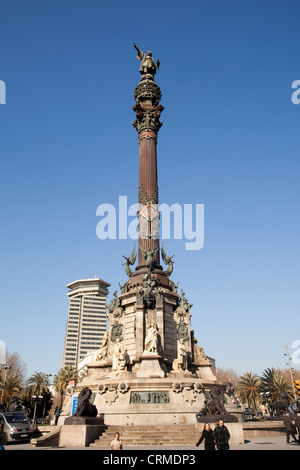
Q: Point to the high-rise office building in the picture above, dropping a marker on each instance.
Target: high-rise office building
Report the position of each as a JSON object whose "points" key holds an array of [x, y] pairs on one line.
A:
{"points": [[86, 319]]}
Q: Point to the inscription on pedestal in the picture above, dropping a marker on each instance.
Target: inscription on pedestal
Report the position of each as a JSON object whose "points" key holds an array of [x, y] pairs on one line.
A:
{"points": [[149, 397]]}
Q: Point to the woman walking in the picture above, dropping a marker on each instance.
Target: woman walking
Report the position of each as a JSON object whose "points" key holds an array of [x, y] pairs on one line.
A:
{"points": [[3, 438], [208, 437]]}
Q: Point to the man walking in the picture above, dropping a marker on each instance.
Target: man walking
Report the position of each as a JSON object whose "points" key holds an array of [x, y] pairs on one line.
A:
{"points": [[290, 429], [221, 436], [297, 424]]}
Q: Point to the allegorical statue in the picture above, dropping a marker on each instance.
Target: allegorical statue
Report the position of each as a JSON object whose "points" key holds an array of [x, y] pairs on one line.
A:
{"points": [[151, 338], [148, 66], [119, 360], [101, 354], [180, 363]]}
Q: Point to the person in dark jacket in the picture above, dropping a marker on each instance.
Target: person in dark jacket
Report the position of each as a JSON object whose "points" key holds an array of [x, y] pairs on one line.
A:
{"points": [[221, 436], [3, 437], [208, 437], [57, 412], [290, 429], [297, 424]]}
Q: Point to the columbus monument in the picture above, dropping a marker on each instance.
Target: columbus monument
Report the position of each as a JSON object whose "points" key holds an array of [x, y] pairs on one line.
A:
{"points": [[150, 367]]}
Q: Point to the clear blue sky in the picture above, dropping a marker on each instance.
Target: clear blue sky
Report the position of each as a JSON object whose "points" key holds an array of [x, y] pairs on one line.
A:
{"points": [[230, 141]]}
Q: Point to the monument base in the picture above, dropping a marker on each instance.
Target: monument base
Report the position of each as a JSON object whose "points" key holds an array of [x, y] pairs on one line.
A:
{"points": [[227, 418], [148, 395], [84, 420]]}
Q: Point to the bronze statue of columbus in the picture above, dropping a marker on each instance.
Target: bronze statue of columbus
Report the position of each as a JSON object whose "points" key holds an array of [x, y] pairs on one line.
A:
{"points": [[148, 66]]}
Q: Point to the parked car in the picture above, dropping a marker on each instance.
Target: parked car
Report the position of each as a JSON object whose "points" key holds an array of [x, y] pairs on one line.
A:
{"points": [[249, 415], [45, 420], [17, 426]]}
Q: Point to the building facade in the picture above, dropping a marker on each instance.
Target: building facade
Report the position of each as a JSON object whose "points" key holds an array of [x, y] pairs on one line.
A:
{"points": [[86, 323]]}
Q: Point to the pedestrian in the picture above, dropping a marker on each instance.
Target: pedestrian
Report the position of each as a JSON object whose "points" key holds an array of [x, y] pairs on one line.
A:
{"points": [[202, 412], [116, 443], [3, 437], [57, 413], [290, 429], [297, 424], [221, 436], [208, 437]]}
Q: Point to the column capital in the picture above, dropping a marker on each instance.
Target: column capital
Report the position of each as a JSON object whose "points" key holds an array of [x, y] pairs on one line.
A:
{"points": [[147, 109]]}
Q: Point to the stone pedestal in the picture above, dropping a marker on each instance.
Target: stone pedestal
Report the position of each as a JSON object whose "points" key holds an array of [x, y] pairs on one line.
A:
{"points": [[84, 420], [150, 390], [150, 367], [227, 418], [78, 436]]}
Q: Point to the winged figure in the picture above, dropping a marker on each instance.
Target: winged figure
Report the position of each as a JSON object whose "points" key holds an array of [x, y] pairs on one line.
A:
{"points": [[148, 255], [129, 262], [167, 260]]}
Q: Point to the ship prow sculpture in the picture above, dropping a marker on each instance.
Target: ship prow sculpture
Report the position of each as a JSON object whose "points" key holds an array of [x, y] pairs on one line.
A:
{"points": [[150, 368]]}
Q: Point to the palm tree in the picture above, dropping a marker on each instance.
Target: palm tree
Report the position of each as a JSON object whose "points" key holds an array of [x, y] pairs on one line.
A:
{"points": [[9, 385], [38, 384], [274, 382], [61, 380], [248, 388], [267, 377]]}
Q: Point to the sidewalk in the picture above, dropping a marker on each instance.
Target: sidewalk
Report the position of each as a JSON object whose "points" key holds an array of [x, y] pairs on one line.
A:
{"points": [[258, 443]]}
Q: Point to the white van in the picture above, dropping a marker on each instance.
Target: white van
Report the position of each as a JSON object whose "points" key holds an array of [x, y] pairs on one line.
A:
{"points": [[17, 426]]}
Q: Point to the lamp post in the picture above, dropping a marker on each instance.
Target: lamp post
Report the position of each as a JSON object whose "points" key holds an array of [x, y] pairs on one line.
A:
{"points": [[6, 368], [35, 399], [266, 397], [291, 369], [46, 375]]}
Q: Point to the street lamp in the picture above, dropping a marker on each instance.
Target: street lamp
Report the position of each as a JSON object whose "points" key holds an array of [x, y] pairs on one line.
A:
{"points": [[35, 399], [46, 375], [291, 369], [266, 397], [6, 368]]}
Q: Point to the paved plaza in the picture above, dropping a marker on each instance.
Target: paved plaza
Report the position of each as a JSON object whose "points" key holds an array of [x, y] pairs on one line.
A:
{"points": [[258, 443]]}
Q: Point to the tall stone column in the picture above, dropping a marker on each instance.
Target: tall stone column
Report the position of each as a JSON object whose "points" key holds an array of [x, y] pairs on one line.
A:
{"points": [[148, 110]]}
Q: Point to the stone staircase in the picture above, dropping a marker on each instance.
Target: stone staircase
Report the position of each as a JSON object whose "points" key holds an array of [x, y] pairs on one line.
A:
{"points": [[169, 435]]}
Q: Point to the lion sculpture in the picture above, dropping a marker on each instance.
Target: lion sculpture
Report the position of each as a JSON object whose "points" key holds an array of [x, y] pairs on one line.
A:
{"points": [[280, 407], [85, 407], [216, 405]]}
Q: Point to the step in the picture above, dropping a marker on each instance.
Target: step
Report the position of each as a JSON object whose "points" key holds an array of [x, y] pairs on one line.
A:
{"points": [[132, 443], [161, 438], [150, 433], [146, 426], [148, 442], [148, 436], [148, 429], [142, 435]]}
